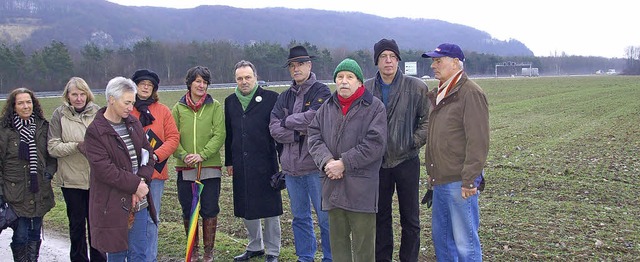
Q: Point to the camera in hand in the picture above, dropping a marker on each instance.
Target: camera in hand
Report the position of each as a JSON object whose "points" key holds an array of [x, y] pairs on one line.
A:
{"points": [[142, 204]]}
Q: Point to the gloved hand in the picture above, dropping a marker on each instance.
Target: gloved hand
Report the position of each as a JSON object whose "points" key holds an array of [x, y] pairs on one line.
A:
{"points": [[428, 198], [48, 175]]}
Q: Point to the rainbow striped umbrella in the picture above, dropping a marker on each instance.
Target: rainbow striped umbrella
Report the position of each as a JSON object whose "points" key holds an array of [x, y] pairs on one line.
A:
{"points": [[196, 189]]}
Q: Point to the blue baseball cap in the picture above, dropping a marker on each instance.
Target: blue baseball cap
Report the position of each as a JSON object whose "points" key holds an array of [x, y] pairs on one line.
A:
{"points": [[446, 49]]}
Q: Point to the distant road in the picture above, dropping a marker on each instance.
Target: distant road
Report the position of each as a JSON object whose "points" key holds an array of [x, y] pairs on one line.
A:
{"points": [[100, 91]]}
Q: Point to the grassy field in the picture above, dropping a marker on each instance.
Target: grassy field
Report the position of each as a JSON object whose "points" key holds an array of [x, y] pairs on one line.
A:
{"points": [[562, 176]]}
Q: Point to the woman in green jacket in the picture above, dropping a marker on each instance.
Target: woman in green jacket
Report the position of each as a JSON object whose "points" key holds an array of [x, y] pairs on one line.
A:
{"points": [[200, 120], [25, 170]]}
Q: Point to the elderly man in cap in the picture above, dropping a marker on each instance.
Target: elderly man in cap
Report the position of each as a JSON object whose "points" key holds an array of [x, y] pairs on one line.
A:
{"points": [[456, 153], [405, 100], [347, 139], [290, 117]]}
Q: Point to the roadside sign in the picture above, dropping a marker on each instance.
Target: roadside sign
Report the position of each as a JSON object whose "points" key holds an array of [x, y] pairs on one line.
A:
{"points": [[411, 68]]}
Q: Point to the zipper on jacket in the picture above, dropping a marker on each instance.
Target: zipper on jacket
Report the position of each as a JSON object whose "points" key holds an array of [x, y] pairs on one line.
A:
{"points": [[195, 130]]}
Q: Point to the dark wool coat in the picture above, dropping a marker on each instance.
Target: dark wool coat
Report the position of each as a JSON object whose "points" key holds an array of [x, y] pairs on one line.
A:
{"points": [[251, 150], [359, 139], [112, 182], [14, 172]]}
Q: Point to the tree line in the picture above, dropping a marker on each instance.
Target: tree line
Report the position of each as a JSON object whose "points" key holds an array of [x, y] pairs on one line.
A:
{"points": [[633, 60], [49, 68]]}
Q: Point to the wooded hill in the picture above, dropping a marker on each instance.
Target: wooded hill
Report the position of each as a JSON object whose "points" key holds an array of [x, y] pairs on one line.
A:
{"points": [[34, 23], [47, 42]]}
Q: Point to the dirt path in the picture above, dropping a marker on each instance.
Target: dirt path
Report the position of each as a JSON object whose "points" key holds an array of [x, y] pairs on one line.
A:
{"points": [[54, 248]]}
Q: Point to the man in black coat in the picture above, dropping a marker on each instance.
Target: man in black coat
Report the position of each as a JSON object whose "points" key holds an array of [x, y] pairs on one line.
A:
{"points": [[251, 158]]}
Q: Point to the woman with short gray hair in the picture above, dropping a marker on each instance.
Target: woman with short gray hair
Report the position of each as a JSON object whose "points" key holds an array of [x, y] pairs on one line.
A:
{"points": [[121, 166]]}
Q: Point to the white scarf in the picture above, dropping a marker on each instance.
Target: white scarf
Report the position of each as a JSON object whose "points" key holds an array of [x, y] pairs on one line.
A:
{"points": [[443, 88]]}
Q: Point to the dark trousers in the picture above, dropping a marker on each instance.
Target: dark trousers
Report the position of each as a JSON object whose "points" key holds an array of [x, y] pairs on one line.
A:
{"points": [[209, 197], [77, 201], [405, 179]]}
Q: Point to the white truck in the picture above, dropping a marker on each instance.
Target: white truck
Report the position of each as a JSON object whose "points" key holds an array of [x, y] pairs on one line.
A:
{"points": [[530, 71]]}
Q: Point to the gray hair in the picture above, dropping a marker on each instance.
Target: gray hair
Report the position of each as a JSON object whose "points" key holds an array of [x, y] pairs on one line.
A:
{"points": [[461, 64], [244, 63], [118, 86]]}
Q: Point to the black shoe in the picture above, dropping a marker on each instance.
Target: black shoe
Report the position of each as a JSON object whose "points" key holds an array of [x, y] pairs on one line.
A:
{"points": [[248, 255], [271, 258]]}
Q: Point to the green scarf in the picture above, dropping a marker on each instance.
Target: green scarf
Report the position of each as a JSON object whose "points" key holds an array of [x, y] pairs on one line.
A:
{"points": [[245, 100]]}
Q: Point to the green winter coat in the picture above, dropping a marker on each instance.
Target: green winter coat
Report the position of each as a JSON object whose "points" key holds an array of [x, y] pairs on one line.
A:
{"points": [[201, 132], [14, 172]]}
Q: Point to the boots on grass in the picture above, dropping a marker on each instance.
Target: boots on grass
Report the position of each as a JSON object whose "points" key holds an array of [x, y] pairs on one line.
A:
{"points": [[194, 253], [33, 250], [19, 253], [209, 226]]}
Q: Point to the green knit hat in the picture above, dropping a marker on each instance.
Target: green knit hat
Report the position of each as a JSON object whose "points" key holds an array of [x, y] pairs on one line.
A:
{"points": [[349, 65]]}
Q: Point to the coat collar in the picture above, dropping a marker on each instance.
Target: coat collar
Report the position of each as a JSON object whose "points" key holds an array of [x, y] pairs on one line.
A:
{"points": [[398, 77], [207, 100], [259, 93], [103, 125], [451, 95], [89, 110], [366, 98], [304, 87]]}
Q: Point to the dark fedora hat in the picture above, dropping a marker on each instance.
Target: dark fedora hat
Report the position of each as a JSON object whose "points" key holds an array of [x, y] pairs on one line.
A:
{"points": [[298, 54]]}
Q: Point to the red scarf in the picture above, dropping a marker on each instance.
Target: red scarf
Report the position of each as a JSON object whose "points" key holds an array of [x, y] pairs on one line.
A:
{"points": [[195, 106], [346, 102]]}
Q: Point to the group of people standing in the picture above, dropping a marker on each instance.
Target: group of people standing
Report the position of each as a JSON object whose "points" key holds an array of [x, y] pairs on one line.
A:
{"points": [[343, 154]]}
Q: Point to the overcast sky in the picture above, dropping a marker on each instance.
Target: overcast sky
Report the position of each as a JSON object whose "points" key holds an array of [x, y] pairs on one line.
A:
{"points": [[586, 28]]}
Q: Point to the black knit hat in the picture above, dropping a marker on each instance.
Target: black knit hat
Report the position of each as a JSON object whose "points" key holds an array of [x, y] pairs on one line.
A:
{"points": [[145, 74], [385, 44]]}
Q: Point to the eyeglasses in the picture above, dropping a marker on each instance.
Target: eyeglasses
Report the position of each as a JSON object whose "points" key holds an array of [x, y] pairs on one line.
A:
{"points": [[296, 64], [145, 84], [385, 57]]}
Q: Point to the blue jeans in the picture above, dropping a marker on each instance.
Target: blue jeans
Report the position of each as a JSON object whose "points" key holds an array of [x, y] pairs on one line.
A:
{"points": [[138, 242], [25, 230], [454, 224], [304, 191], [156, 188], [117, 257]]}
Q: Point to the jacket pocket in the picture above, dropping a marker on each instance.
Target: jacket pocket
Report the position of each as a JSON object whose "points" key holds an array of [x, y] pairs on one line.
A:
{"points": [[14, 188]]}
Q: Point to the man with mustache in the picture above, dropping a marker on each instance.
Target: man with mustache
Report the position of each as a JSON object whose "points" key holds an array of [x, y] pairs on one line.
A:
{"points": [[290, 117]]}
